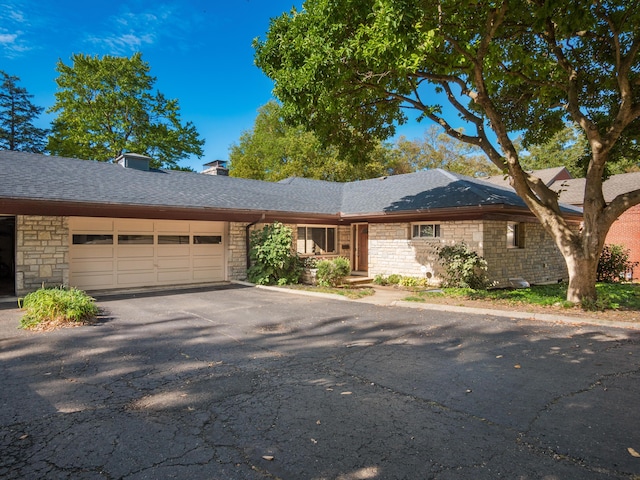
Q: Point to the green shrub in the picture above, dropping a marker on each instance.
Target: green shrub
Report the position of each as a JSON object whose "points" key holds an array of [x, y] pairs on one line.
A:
{"points": [[56, 305], [394, 279], [409, 282], [332, 273], [380, 280], [614, 263], [273, 260], [463, 267]]}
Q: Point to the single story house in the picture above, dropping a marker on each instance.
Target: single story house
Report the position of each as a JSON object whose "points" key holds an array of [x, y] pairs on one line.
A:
{"points": [[123, 225]]}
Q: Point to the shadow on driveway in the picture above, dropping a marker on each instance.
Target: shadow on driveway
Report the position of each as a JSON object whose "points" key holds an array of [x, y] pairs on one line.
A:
{"points": [[245, 383]]}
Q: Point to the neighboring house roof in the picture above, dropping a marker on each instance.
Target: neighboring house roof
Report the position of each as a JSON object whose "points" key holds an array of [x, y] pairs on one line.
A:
{"points": [[81, 187], [547, 175], [572, 190]]}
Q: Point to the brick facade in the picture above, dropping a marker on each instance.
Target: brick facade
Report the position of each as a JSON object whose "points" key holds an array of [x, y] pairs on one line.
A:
{"points": [[392, 250], [42, 252], [626, 231]]}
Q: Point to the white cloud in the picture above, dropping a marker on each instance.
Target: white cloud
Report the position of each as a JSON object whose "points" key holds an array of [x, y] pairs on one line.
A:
{"points": [[12, 35], [132, 31]]}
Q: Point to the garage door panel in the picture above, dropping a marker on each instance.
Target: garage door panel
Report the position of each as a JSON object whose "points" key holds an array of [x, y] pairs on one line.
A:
{"points": [[93, 281], [172, 227], [207, 273], [173, 251], [174, 276], [173, 255], [206, 262], [134, 225], [92, 225], [173, 262], [135, 251], [135, 264], [91, 251], [142, 279], [94, 266]]}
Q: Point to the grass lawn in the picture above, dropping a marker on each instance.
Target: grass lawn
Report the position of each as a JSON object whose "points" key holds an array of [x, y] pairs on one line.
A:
{"points": [[611, 296], [346, 291]]}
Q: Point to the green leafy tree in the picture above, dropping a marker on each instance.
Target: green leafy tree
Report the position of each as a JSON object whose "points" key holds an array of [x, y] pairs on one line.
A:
{"points": [[439, 150], [566, 148], [274, 150], [17, 114], [106, 107], [349, 71]]}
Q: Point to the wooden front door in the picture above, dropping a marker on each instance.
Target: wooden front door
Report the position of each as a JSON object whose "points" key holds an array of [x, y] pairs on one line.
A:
{"points": [[362, 248]]}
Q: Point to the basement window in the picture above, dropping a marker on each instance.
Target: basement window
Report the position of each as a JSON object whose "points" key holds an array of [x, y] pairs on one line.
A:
{"points": [[426, 230], [316, 240]]}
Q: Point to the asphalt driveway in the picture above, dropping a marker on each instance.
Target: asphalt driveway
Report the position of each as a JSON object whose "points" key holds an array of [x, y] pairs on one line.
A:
{"points": [[245, 383]]}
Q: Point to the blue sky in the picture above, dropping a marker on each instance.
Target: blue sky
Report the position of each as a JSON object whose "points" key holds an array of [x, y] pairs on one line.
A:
{"points": [[199, 50]]}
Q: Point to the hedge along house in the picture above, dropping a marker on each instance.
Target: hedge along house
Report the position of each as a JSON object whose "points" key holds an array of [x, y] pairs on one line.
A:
{"points": [[101, 226]]}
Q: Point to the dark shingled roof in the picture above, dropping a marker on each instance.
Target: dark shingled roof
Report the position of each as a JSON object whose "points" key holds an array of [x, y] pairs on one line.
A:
{"points": [[26, 176], [572, 191]]}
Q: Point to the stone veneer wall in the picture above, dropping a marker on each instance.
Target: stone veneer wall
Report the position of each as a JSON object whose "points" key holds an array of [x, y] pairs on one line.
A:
{"points": [[539, 261], [42, 252], [392, 250], [236, 252]]}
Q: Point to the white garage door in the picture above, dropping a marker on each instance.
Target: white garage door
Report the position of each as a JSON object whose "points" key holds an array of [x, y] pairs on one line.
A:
{"points": [[119, 253]]}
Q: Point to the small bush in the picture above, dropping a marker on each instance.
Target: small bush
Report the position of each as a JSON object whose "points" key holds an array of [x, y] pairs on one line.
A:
{"points": [[394, 279], [56, 306], [380, 280], [273, 260], [332, 273], [464, 268], [409, 282], [614, 263]]}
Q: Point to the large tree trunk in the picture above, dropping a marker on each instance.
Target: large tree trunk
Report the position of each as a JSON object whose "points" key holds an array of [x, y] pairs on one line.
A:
{"points": [[582, 277]]}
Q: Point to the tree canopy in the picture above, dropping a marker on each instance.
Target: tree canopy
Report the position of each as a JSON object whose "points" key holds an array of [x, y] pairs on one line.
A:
{"points": [[350, 70], [17, 114], [274, 150], [106, 106]]}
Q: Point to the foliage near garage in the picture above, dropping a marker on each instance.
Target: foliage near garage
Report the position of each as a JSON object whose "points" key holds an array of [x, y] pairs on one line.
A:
{"points": [[56, 307], [273, 260]]}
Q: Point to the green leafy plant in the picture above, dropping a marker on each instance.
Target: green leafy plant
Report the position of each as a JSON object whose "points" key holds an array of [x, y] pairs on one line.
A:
{"points": [[332, 273], [394, 279], [273, 260], [380, 280], [409, 282], [56, 306], [614, 263], [463, 267]]}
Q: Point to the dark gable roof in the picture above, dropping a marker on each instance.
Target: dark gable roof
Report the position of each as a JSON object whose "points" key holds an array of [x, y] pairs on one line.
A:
{"points": [[28, 177]]}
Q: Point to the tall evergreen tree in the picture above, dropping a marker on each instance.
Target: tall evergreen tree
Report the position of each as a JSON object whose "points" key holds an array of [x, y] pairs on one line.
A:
{"points": [[17, 114]]}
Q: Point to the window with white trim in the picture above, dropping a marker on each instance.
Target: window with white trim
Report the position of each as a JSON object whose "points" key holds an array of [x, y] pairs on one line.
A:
{"points": [[316, 240], [425, 230]]}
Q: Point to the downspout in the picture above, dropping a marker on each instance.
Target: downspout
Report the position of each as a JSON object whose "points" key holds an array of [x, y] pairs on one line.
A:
{"points": [[246, 239]]}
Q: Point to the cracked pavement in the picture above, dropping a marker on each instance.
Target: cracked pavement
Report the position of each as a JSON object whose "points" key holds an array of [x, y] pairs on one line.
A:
{"points": [[242, 383]]}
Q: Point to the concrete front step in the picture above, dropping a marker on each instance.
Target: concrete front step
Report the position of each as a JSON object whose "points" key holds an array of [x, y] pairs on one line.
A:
{"points": [[357, 280]]}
